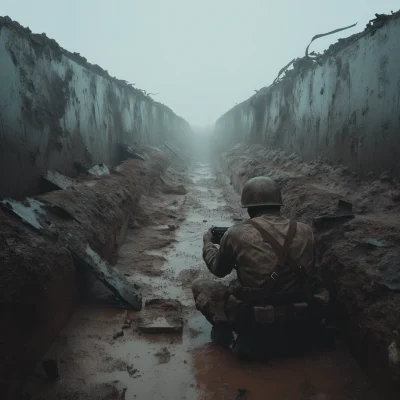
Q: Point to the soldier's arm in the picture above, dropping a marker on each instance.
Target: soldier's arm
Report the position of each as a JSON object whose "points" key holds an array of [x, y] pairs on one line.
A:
{"points": [[220, 262]]}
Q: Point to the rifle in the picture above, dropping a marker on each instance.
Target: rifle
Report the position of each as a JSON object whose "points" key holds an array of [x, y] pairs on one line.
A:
{"points": [[218, 232]]}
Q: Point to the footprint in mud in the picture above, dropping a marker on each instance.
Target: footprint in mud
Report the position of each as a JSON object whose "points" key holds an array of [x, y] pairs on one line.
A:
{"points": [[132, 371], [163, 356]]}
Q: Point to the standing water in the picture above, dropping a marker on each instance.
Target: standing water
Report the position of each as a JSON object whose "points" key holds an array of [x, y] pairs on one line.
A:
{"points": [[97, 364]]}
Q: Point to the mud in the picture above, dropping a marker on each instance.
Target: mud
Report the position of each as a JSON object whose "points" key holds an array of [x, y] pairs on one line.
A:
{"points": [[38, 278], [358, 258], [184, 365]]}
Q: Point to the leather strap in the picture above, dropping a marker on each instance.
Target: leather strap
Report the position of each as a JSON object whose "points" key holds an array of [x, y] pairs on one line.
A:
{"points": [[284, 258], [281, 251]]}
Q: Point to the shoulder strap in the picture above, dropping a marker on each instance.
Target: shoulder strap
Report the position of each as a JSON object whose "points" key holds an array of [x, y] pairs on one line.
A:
{"points": [[283, 255], [281, 251]]}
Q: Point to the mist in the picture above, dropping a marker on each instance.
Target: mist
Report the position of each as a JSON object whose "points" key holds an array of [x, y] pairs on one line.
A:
{"points": [[199, 58]]}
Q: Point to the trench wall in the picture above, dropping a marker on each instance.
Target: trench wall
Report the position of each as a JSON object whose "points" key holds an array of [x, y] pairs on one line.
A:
{"points": [[57, 109], [347, 109], [39, 279]]}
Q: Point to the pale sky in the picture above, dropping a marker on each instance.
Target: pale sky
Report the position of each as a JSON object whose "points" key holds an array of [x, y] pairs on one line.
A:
{"points": [[202, 57]]}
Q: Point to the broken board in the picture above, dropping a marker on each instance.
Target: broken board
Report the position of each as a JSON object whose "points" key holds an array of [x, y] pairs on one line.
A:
{"points": [[109, 276], [59, 181], [343, 213], [36, 214], [161, 316], [99, 170], [31, 212], [129, 152]]}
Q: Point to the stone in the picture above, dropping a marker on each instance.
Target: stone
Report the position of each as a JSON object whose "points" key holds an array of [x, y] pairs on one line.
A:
{"points": [[118, 334], [161, 316]]}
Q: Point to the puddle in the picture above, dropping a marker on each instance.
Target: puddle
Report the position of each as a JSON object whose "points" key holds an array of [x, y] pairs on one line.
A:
{"points": [[186, 366], [326, 375]]}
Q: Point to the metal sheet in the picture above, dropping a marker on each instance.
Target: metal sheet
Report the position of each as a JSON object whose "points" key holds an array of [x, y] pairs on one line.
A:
{"points": [[129, 151], [30, 211], [85, 256], [59, 180], [99, 170], [36, 214]]}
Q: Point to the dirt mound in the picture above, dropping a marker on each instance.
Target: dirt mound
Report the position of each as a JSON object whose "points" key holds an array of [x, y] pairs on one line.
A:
{"points": [[358, 258], [38, 278]]}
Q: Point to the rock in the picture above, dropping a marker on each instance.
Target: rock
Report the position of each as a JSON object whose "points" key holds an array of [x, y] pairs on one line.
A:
{"points": [[371, 242], [163, 356], [127, 324], [118, 334], [161, 316], [131, 370]]}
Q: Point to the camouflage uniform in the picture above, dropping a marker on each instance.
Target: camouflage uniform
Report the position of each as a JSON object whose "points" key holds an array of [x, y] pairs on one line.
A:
{"points": [[243, 248]]}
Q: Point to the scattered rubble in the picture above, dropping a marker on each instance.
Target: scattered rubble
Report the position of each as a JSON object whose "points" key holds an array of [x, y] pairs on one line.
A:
{"points": [[98, 216], [129, 151], [127, 322], [56, 181], [132, 371], [99, 170], [203, 368], [116, 282], [161, 316], [118, 334]]}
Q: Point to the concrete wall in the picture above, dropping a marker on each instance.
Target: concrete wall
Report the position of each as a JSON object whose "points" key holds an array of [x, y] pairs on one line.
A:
{"points": [[347, 109], [55, 109]]}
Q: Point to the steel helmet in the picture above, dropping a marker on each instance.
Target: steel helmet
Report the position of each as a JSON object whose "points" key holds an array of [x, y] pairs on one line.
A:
{"points": [[261, 191]]}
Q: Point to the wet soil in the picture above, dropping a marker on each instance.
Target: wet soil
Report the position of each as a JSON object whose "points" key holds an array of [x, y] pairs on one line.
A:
{"points": [[162, 253], [357, 258], [39, 280]]}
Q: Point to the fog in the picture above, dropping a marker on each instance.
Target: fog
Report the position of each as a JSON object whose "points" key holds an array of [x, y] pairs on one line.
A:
{"points": [[201, 57]]}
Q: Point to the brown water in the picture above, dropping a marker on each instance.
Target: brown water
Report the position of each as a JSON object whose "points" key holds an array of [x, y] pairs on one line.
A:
{"points": [[95, 366]]}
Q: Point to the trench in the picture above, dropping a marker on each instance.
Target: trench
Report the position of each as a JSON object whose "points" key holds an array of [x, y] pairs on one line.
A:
{"points": [[94, 364]]}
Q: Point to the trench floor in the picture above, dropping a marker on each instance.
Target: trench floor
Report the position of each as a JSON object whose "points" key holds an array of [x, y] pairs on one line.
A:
{"points": [[95, 365]]}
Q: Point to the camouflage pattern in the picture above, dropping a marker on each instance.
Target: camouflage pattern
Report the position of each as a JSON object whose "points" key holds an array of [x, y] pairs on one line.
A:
{"points": [[243, 248], [261, 191], [210, 297]]}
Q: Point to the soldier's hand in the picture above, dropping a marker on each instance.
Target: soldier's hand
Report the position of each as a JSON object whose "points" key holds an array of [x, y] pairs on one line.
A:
{"points": [[207, 237]]}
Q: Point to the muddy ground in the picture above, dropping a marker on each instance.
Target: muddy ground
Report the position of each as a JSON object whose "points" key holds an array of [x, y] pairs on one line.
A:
{"points": [[39, 280], [102, 354], [358, 258]]}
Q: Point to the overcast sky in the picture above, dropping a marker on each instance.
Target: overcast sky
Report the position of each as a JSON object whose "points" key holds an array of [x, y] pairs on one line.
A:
{"points": [[202, 57]]}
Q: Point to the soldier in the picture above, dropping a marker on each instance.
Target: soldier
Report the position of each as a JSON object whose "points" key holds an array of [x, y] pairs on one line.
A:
{"points": [[272, 256]]}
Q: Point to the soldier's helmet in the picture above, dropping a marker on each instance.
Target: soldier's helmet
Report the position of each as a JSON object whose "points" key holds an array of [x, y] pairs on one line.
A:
{"points": [[261, 191]]}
